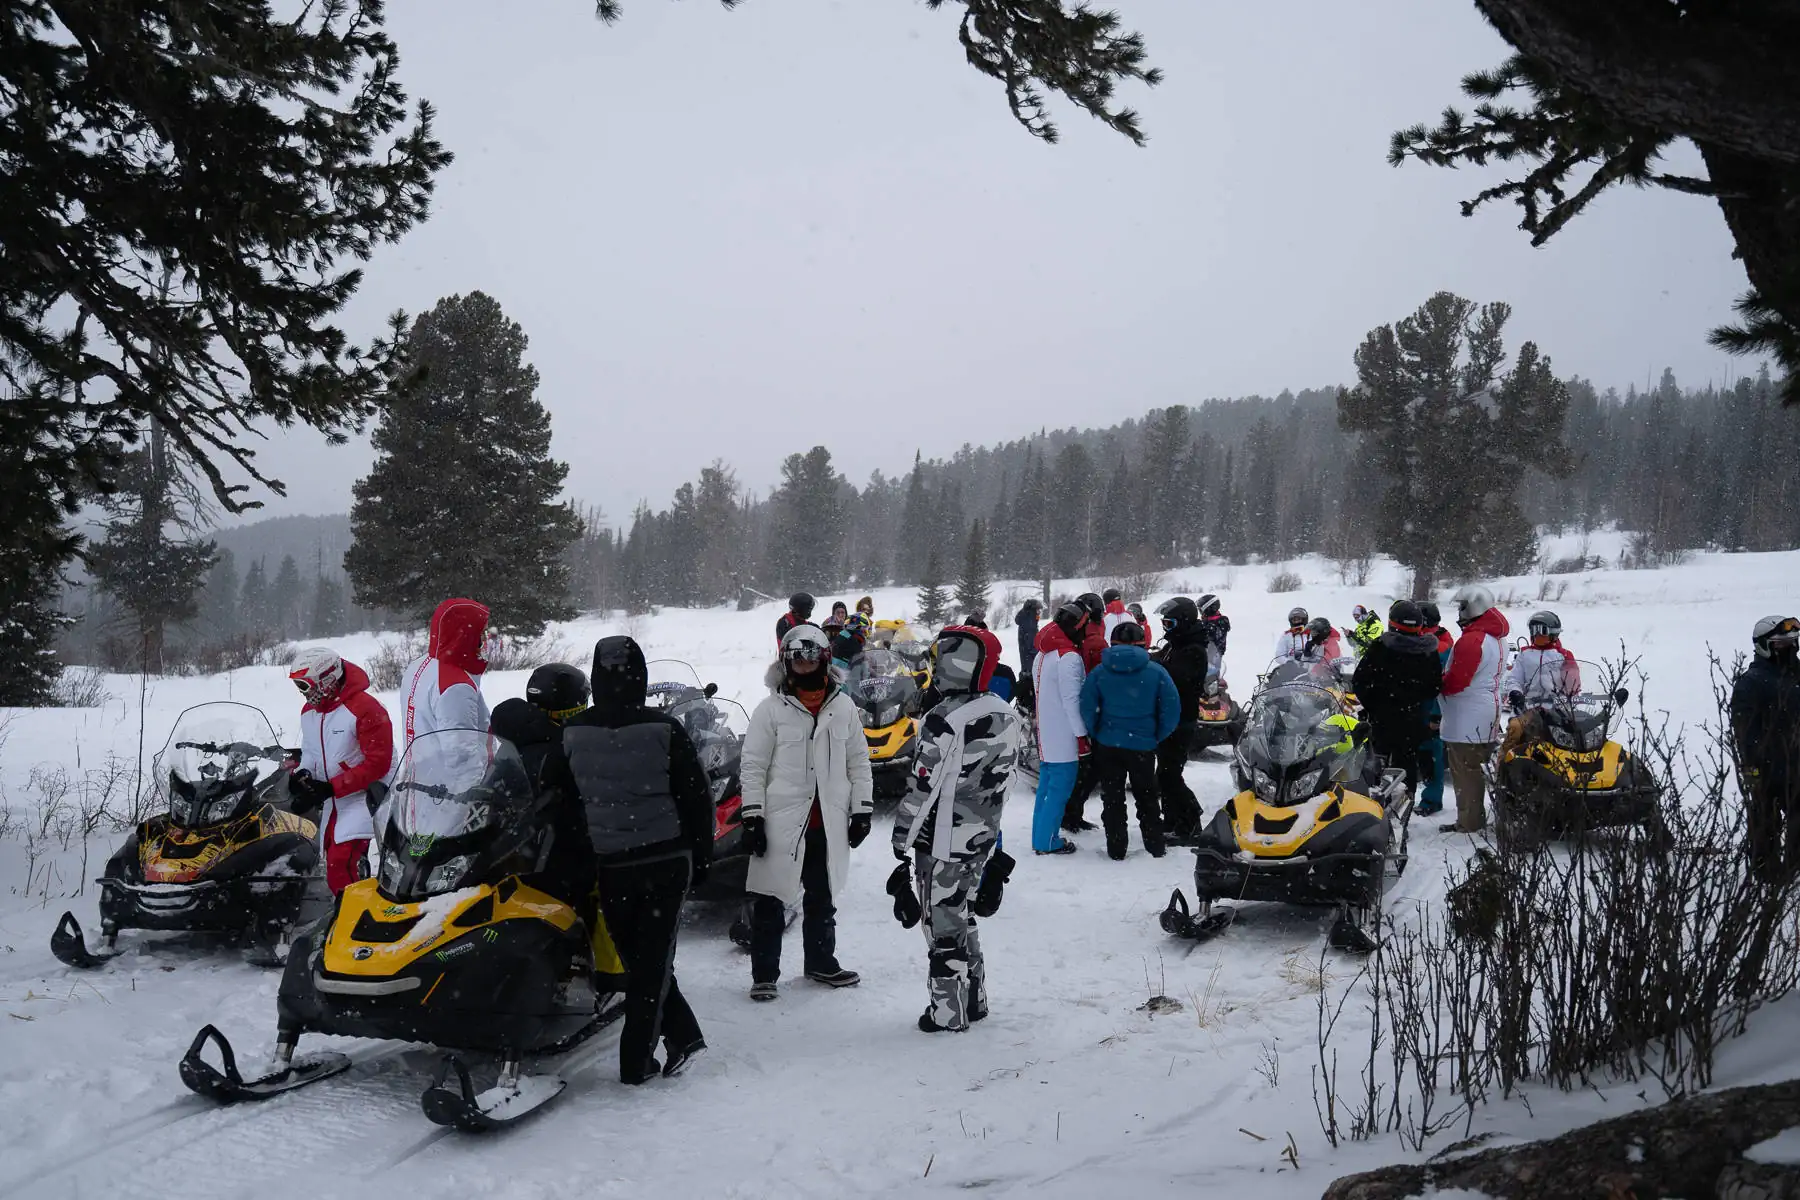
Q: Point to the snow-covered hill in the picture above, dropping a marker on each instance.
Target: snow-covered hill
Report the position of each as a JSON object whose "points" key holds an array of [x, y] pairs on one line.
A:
{"points": [[1070, 1089]]}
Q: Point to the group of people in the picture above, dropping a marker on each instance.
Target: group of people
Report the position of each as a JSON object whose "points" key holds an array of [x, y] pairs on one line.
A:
{"points": [[1110, 712]]}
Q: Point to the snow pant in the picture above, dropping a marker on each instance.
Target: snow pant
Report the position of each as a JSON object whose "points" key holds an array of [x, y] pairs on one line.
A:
{"points": [[957, 978], [642, 905], [1772, 831], [1114, 766], [1181, 809], [1055, 781], [818, 918], [1432, 764], [1075, 807], [1468, 775], [343, 860]]}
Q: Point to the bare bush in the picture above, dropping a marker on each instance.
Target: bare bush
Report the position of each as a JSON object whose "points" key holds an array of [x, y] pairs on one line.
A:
{"points": [[1646, 551], [391, 658], [279, 654], [80, 687], [1354, 570], [1551, 589], [1612, 955], [1283, 581], [523, 654]]}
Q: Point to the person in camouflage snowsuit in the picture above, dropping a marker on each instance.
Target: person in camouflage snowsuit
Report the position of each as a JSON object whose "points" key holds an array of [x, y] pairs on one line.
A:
{"points": [[950, 817]]}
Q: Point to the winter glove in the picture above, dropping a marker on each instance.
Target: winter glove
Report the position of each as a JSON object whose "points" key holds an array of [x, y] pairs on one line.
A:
{"points": [[756, 838], [859, 828], [309, 793], [999, 869], [1516, 700], [1083, 747], [906, 901]]}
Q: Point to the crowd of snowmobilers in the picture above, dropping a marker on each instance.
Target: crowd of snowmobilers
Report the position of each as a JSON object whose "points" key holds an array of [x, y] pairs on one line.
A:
{"points": [[622, 788]]}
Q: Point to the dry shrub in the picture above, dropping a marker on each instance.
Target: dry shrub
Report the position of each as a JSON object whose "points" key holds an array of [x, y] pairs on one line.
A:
{"points": [[525, 654], [1284, 581], [391, 658]]}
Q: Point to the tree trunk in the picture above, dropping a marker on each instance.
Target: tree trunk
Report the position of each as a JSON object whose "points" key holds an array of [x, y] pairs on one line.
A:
{"points": [[1692, 1147]]}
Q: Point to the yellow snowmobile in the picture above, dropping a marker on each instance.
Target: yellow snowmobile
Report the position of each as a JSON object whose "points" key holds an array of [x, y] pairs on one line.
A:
{"points": [[225, 855], [445, 945], [887, 693], [1561, 773], [1315, 822]]}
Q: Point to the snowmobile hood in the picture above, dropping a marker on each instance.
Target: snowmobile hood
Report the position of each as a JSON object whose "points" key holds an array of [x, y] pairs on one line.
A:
{"points": [[1492, 622], [1125, 660], [356, 681], [1409, 643], [457, 628]]}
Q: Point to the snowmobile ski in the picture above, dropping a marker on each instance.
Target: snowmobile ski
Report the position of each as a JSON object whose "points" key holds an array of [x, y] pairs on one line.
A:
{"points": [[227, 1086], [513, 1097], [1213, 920], [1350, 935], [69, 944]]}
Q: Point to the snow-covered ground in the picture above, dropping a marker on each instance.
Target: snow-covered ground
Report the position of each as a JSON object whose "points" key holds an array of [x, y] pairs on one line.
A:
{"points": [[1070, 1089]]}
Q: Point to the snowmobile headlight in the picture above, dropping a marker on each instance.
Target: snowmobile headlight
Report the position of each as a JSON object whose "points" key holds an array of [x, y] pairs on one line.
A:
{"points": [[218, 810], [1307, 785], [1266, 786], [447, 874], [868, 718], [391, 870], [1562, 737]]}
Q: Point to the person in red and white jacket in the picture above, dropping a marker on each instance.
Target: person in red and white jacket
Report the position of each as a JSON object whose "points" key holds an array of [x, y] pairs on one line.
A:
{"points": [[1471, 702], [346, 744], [443, 689]]}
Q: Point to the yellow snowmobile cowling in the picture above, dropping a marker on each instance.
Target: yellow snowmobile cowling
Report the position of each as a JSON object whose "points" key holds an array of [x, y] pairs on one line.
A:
{"points": [[169, 854], [1586, 771], [887, 742], [1267, 831], [373, 936], [1561, 772]]}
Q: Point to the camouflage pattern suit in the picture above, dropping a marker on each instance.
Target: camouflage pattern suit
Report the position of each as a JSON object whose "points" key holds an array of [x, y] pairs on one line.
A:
{"points": [[950, 819]]}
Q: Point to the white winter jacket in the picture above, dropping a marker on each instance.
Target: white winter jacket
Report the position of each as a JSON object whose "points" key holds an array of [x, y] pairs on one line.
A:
{"points": [[443, 689], [1472, 681], [348, 743], [789, 758], [1544, 676], [1056, 675], [1291, 645]]}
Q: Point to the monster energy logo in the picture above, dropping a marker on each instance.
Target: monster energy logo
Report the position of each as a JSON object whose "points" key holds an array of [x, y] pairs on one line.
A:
{"points": [[490, 934], [393, 910], [452, 952], [421, 844]]}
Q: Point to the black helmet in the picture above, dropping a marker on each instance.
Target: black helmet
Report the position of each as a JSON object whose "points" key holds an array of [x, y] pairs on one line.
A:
{"points": [[801, 604], [1429, 610], [1208, 605], [1319, 628], [1135, 609], [1091, 601], [559, 689], [1545, 624], [1178, 613], [1404, 614], [1128, 633], [1298, 617], [1111, 594], [1070, 617], [975, 621]]}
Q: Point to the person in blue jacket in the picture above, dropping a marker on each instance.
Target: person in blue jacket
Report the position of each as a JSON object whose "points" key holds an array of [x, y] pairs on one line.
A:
{"points": [[1130, 707], [1431, 789]]}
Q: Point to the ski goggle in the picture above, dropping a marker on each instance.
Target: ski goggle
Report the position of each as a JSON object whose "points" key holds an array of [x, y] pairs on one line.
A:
{"points": [[1784, 636], [310, 688], [805, 652], [1169, 624], [559, 715]]}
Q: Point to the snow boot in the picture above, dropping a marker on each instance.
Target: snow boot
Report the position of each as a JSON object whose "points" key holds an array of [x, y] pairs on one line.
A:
{"points": [[978, 1008], [837, 977], [677, 1058], [1063, 847], [764, 991], [927, 1025]]}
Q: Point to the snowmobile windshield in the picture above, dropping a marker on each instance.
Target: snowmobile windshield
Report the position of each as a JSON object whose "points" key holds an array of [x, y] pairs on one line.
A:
{"points": [[916, 655], [708, 725], [454, 792], [218, 758], [672, 671], [1582, 723], [1287, 726], [1547, 679], [882, 687]]}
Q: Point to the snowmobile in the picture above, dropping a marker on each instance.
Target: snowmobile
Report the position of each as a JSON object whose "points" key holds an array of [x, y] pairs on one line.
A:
{"points": [[445, 945], [1219, 721], [1315, 821], [716, 727], [1564, 774], [892, 633], [887, 694], [225, 856]]}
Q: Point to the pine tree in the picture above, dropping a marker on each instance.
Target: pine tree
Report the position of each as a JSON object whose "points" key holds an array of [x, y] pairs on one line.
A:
{"points": [[330, 614], [463, 498], [287, 599], [1228, 523], [972, 587], [29, 623], [219, 600], [152, 573], [916, 524], [933, 600], [255, 615], [809, 532]]}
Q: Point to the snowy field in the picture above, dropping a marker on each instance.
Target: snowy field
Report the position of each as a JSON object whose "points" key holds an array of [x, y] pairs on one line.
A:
{"points": [[1070, 1089]]}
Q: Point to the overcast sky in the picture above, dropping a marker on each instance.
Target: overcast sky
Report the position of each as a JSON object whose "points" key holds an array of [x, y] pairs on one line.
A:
{"points": [[740, 234]]}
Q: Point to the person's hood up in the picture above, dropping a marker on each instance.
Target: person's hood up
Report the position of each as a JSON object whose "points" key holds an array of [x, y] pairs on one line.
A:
{"points": [[457, 629], [522, 723], [866, 605], [1125, 660], [356, 681], [775, 677], [1115, 607], [1410, 643], [619, 687], [1052, 640], [1491, 622], [1027, 614]]}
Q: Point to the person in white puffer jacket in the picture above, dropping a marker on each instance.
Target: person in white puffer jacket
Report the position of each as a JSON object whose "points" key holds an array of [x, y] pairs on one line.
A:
{"points": [[808, 801], [1471, 702], [1543, 672], [346, 744]]}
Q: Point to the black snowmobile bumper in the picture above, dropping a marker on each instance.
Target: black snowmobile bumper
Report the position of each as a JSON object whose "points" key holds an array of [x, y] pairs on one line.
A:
{"points": [[1544, 799], [1349, 878], [892, 776], [204, 906]]}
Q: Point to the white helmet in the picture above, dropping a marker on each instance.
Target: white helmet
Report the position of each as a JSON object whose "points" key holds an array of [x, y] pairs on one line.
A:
{"points": [[1471, 601], [1775, 633], [318, 672], [805, 644]]}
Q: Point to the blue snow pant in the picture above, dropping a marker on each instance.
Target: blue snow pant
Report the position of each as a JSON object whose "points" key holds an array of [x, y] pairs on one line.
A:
{"points": [[1056, 782], [1431, 793]]}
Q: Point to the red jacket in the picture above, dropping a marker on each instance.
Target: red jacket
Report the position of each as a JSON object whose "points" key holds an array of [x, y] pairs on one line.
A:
{"points": [[1093, 643], [1466, 657]]}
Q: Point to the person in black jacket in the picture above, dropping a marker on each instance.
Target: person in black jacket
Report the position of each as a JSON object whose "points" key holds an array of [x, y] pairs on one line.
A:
{"points": [[650, 819], [800, 611], [1027, 619], [1183, 655], [1765, 727], [536, 732], [1396, 680]]}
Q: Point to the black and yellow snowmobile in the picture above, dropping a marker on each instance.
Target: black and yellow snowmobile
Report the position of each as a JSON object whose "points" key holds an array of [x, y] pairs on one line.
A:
{"points": [[1218, 720], [1315, 821], [225, 856], [887, 691], [1561, 772], [445, 945]]}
